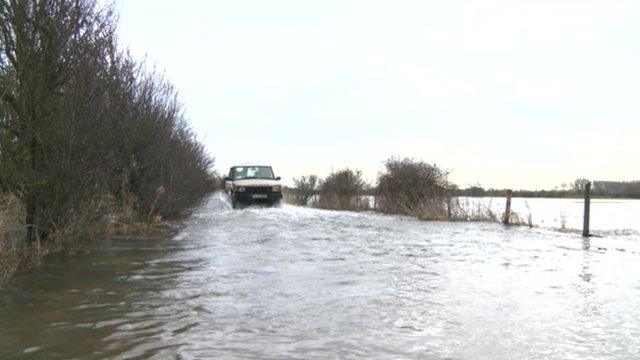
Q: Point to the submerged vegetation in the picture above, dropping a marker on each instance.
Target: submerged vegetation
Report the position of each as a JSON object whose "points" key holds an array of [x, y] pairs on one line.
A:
{"points": [[89, 137], [405, 187]]}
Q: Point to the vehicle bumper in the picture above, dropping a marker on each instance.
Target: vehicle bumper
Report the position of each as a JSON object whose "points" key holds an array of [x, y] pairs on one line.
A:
{"points": [[248, 198]]}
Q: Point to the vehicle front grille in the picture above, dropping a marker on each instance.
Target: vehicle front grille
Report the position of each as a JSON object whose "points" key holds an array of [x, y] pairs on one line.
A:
{"points": [[258, 189]]}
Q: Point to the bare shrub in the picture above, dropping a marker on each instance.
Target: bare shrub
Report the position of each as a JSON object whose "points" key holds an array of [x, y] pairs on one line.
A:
{"points": [[342, 190], [86, 132], [305, 188], [80, 121], [413, 187]]}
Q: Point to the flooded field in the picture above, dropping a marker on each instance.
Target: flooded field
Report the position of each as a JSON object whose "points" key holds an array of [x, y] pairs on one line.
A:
{"points": [[311, 284], [608, 216]]}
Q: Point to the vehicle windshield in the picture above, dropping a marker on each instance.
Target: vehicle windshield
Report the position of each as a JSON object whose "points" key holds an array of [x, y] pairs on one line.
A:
{"points": [[252, 172]]}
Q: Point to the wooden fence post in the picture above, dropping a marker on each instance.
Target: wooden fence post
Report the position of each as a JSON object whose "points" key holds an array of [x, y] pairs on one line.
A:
{"points": [[587, 209], [507, 210]]}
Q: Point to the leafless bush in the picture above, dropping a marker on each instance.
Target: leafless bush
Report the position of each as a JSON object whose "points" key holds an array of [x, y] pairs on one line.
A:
{"points": [[412, 187], [342, 190], [305, 188], [81, 122]]}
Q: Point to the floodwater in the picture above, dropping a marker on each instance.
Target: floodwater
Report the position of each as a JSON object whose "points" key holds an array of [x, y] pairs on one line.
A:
{"points": [[297, 283], [608, 216]]}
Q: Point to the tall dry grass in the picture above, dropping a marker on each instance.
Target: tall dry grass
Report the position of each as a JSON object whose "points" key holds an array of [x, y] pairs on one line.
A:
{"points": [[15, 254], [100, 216], [11, 230], [11, 222], [343, 202], [289, 197], [466, 210]]}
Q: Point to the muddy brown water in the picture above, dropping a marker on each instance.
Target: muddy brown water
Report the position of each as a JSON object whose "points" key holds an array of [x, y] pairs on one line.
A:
{"points": [[294, 283]]}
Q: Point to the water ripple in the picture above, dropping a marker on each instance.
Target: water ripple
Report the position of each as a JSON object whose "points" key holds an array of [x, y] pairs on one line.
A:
{"points": [[295, 282]]}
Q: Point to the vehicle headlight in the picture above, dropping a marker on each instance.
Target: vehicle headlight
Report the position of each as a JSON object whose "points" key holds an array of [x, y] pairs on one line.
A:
{"points": [[277, 188], [241, 189]]}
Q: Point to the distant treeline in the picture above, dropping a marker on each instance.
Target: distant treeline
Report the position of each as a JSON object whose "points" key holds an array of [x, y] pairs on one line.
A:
{"points": [[85, 130], [602, 189]]}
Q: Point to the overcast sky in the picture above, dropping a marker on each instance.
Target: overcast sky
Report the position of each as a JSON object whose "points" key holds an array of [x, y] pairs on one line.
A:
{"points": [[520, 94]]}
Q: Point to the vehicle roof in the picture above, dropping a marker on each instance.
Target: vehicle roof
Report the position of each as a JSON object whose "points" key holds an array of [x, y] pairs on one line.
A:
{"points": [[250, 165]]}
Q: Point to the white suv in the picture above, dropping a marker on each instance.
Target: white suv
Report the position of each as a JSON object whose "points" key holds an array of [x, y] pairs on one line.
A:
{"points": [[253, 185]]}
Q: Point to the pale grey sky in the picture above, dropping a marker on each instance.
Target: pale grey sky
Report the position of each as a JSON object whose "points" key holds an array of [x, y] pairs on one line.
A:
{"points": [[520, 94]]}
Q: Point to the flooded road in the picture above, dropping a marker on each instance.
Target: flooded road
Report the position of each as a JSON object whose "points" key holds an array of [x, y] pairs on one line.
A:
{"points": [[311, 284]]}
